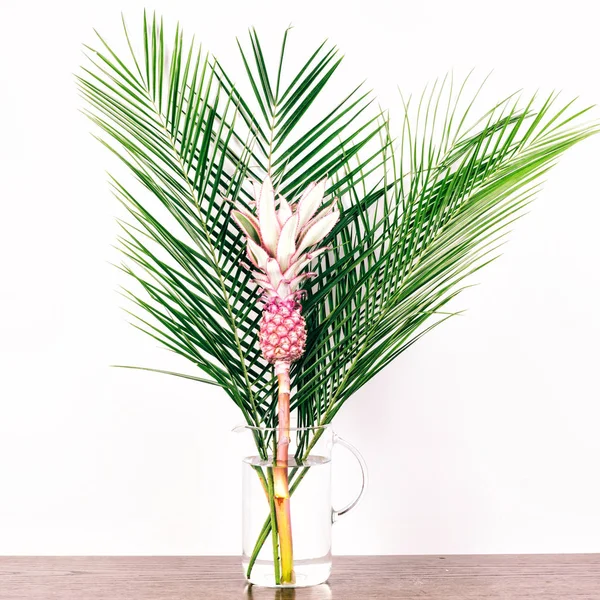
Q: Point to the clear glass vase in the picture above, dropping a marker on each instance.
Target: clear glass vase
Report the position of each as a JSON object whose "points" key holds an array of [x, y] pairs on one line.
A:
{"points": [[310, 508]]}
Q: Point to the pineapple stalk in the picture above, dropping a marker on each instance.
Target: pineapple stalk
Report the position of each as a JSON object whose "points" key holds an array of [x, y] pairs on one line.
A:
{"points": [[281, 484]]}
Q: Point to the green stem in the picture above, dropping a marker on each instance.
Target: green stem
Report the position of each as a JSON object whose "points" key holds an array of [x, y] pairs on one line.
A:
{"points": [[261, 476], [273, 520], [260, 542]]}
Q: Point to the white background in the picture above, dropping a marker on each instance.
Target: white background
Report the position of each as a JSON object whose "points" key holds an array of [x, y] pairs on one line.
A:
{"points": [[483, 438]]}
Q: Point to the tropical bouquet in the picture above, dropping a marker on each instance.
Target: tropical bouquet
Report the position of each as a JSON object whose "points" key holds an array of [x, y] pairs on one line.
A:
{"points": [[292, 247]]}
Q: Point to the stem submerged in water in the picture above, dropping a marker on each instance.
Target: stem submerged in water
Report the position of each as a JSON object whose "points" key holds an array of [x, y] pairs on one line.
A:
{"points": [[273, 522], [268, 526]]}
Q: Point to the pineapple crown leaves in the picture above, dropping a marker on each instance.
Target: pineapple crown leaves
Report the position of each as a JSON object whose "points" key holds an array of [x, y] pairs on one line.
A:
{"points": [[281, 237]]}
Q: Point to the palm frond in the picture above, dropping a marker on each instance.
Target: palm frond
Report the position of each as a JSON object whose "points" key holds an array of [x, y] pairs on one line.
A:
{"points": [[424, 203], [189, 138], [406, 248]]}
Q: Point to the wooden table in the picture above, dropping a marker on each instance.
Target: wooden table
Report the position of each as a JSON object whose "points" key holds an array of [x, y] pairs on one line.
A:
{"points": [[547, 577]]}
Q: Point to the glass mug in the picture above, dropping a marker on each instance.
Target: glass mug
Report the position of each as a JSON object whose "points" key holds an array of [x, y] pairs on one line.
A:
{"points": [[312, 514]]}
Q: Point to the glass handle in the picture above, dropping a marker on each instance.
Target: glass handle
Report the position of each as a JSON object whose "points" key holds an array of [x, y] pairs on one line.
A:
{"points": [[364, 478]]}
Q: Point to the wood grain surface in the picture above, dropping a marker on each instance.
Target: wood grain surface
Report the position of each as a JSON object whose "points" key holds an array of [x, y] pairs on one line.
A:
{"points": [[547, 577]]}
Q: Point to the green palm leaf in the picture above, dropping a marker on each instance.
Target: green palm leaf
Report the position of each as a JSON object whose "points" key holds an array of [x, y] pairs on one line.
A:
{"points": [[190, 139], [422, 209], [407, 247]]}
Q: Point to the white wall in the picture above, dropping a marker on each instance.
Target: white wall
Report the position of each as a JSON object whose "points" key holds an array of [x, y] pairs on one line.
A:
{"points": [[482, 438]]}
